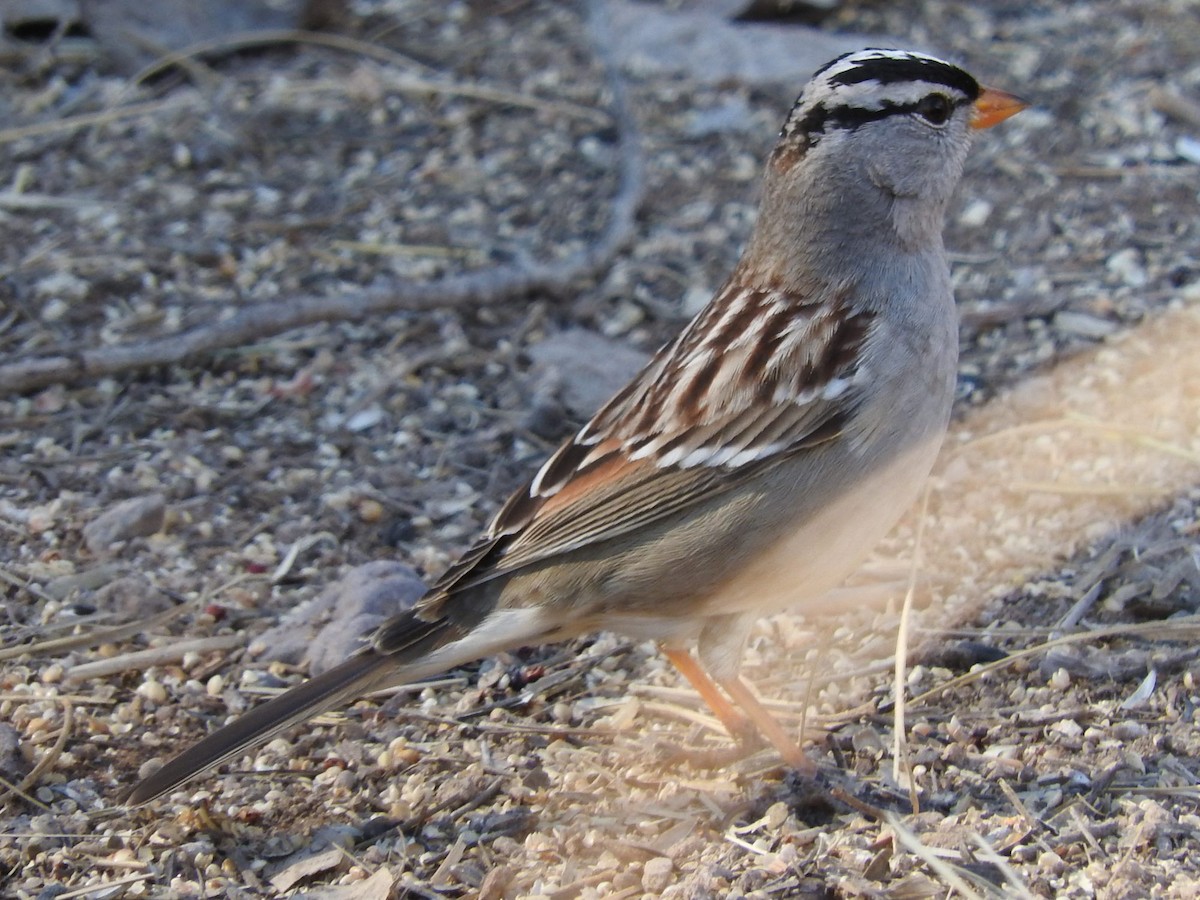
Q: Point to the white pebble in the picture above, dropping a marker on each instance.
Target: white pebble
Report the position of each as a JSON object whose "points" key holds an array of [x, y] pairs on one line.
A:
{"points": [[1084, 324], [364, 419], [1127, 264], [1188, 148], [1067, 728], [976, 214], [656, 874], [153, 691]]}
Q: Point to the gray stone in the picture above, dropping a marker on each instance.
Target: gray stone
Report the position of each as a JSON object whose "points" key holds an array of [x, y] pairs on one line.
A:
{"points": [[13, 764], [129, 598], [137, 517], [656, 874], [585, 367], [356, 604], [703, 43]]}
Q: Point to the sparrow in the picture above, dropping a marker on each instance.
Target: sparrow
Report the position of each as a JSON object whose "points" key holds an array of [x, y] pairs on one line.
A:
{"points": [[757, 457]]}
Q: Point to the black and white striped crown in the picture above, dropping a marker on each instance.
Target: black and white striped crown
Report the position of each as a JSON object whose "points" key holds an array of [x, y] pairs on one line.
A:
{"points": [[872, 84]]}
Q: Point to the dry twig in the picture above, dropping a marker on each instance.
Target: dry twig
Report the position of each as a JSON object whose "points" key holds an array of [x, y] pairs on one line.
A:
{"points": [[154, 656], [48, 760], [490, 286]]}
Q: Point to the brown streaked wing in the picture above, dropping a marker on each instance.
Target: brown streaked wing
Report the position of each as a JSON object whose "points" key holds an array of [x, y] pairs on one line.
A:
{"points": [[597, 486], [644, 495]]}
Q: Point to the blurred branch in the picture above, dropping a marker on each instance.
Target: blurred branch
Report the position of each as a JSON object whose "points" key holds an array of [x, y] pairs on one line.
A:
{"points": [[490, 286]]}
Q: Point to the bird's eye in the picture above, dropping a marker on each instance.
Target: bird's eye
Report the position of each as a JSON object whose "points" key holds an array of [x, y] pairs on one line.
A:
{"points": [[935, 109]]}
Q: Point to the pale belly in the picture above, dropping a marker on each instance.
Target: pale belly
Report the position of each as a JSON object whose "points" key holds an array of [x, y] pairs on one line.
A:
{"points": [[800, 569]]}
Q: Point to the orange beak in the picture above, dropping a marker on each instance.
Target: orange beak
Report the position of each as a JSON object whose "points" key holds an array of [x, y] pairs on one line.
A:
{"points": [[994, 106]]}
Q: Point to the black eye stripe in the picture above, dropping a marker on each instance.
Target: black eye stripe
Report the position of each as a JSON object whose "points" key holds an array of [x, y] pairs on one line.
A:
{"points": [[849, 118]]}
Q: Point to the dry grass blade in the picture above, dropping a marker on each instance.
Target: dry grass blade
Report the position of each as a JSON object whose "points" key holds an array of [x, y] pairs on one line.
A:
{"points": [[46, 763], [105, 887], [96, 637], [684, 714], [7, 787], [487, 286], [1182, 629], [301, 546], [900, 758], [87, 120], [22, 201], [1016, 887], [153, 656], [405, 83], [940, 867], [1136, 435], [1083, 490], [81, 699], [262, 38], [24, 585], [1031, 821], [1081, 422]]}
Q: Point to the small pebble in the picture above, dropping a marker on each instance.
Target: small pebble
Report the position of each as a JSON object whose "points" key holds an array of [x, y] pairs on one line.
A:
{"points": [[1068, 728], [776, 815], [1084, 324], [153, 691], [403, 753], [370, 511], [1129, 730], [976, 213], [137, 517], [656, 874], [1050, 862], [364, 419], [1188, 148], [1127, 264]]}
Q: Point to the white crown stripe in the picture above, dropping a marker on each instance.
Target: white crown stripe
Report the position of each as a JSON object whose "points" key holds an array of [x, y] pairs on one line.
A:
{"points": [[873, 95]]}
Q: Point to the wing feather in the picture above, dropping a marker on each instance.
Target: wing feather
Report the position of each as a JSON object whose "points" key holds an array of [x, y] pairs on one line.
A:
{"points": [[694, 423]]}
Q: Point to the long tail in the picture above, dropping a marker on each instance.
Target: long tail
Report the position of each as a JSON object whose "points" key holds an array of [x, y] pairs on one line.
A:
{"points": [[361, 673]]}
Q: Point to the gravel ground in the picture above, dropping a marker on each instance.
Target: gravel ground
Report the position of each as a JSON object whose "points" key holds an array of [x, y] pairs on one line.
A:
{"points": [[265, 474]]}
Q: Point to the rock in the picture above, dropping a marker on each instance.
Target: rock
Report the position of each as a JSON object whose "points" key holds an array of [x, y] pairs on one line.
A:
{"points": [[137, 517], [81, 582], [130, 598], [134, 33], [1084, 325], [587, 368], [701, 42], [656, 874], [13, 764], [1127, 265], [357, 604], [806, 10], [732, 116]]}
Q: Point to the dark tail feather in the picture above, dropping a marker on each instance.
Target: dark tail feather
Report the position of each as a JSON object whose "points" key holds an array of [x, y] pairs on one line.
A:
{"points": [[356, 676]]}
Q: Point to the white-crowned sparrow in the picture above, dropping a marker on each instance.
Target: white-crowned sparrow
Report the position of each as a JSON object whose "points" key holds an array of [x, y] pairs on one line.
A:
{"points": [[759, 455]]}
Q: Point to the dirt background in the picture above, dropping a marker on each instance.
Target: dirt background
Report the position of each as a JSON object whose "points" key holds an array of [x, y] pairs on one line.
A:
{"points": [[268, 471]]}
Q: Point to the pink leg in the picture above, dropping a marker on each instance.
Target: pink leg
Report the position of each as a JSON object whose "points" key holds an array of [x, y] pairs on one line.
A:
{"points": [[768, 726], [752, 715]]}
